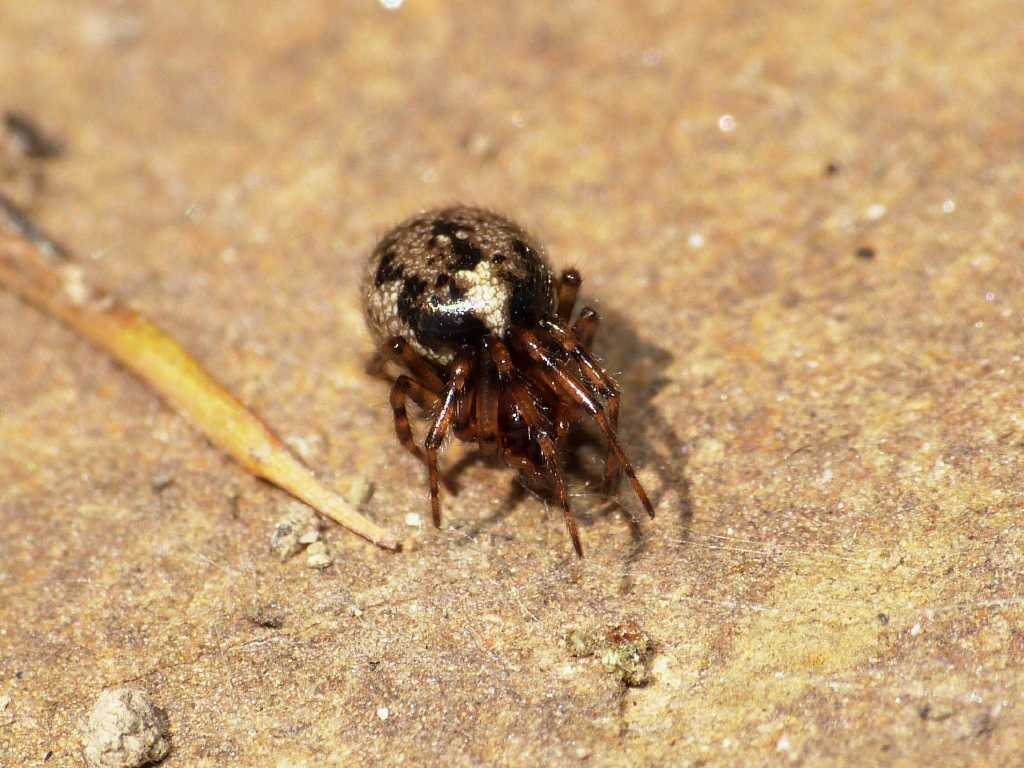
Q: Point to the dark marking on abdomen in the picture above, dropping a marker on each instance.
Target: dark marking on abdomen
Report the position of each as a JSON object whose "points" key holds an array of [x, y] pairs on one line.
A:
{"points": [[412, 289], [465, 255], [387, 270]]}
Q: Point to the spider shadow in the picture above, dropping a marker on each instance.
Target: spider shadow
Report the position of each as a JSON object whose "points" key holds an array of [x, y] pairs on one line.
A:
{"points": [[652, 445]]}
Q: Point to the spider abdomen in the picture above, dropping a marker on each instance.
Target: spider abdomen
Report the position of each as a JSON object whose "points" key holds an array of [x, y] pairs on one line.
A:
{"points": [[448, 277]]}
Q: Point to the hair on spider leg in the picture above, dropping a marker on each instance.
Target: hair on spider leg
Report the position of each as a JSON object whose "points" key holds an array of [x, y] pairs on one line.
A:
{"points": [[464, 302]]}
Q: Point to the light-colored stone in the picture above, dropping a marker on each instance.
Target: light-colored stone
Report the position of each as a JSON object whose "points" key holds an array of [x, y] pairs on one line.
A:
{"points": [[126, 730]]}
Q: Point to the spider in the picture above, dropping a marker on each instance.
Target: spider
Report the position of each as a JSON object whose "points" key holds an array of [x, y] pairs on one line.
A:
{"points": [[464, 300]]}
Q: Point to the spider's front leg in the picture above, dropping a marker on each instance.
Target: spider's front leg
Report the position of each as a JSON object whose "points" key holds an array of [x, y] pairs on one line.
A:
{"points": [[460, 373], [579, 393], [424, 387], [541, 429], [401, 390], [604, 385]]}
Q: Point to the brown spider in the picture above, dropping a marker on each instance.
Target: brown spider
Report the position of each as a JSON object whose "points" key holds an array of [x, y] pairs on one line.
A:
{"points": [[465, 300]]}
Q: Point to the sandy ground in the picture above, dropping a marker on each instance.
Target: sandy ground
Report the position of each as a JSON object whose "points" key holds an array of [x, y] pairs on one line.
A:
{"points": [[802, 225]]}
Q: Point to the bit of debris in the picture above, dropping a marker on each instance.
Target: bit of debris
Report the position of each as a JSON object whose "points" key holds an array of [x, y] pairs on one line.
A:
{"points": [[28, 139], [413, 520], [579, 643], [628, 653], [874, 212], [309, 537], [357, 490], [319, 557], [865, 253], [266, 615], [76, 289], [297, 528], [383, 713], [161, 482], [480, 145], [125, 730], [625, 650]]}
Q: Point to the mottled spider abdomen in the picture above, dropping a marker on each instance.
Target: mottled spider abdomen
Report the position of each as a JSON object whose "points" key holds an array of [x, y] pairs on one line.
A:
{"points": [[449, 277]]}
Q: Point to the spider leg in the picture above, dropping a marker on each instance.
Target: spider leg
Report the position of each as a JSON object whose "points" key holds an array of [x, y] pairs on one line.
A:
{"points": [[487, 402], [597, 376], [525, 399], [579, 393], [464, 424], [399, 350], [566, 415], [375, 367], [400, 393], [585, 327], [568, 287], [536, 477], [401, 390], [539, 426], [566, 412], [461, 370], [611, 466]]}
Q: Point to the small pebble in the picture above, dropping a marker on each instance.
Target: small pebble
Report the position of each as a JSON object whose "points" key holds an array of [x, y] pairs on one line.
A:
{"points": [[266, 615], [625, 650], [318, 556], [874, 212], [296, 528], [126, 730], [162, 482], [627, 654], [359, 491], [480, 145], [383, 713], [413, 520], [27, 138]]}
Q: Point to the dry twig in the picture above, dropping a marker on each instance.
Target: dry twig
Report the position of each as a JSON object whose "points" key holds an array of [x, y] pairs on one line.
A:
{"points": [[37, 270]]}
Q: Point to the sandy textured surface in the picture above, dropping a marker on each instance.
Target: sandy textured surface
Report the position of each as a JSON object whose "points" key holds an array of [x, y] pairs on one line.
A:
{"points": [[802, 224]]}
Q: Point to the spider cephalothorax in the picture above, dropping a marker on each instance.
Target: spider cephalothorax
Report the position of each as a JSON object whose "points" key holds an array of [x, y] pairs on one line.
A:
{"points": [[465, 301]]}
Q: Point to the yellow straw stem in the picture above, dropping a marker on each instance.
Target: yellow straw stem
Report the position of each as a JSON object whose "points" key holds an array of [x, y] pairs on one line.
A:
{"points": [[60, 289]]}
